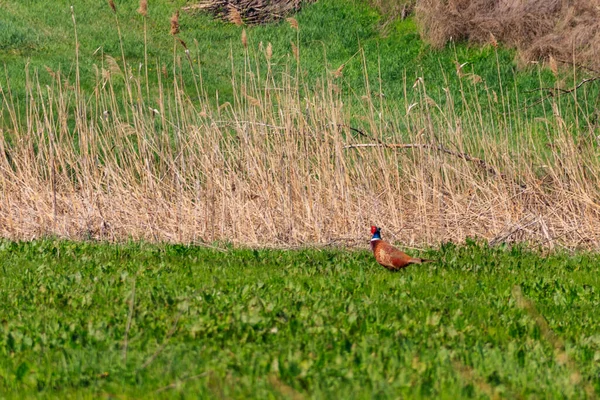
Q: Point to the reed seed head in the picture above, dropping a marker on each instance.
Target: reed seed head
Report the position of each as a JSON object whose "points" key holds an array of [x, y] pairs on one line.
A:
{"points": [[175, 23], [293, 22], [235, 16], [553, 66], [111, 3], [339, 71], [493, 40], [244, 39], [143, 10]]}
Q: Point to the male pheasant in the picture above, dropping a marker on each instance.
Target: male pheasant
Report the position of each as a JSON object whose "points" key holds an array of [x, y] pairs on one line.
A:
{"points": [[389, 256]]}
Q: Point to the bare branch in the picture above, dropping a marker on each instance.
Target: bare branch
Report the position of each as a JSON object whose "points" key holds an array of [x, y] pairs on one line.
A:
{"points": [[438, 147], [363, 134], [180, 381], [129, 317], [552, 90]]}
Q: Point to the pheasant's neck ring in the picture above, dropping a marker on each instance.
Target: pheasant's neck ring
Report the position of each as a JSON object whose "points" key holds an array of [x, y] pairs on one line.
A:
{"points": [[376, 234]]}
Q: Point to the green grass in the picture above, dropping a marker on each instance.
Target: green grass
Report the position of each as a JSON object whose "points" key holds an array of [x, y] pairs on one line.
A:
{"points": [[276, 324], [331, 34]]}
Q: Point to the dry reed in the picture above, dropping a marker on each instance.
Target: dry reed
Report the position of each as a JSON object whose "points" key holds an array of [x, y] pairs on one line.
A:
{"points": [[277, 168]]}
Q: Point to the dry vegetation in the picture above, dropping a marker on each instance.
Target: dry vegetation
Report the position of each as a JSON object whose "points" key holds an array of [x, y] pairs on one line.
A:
{"points": [[569, 31], [274, 168], [280, 166], [249, 12]]}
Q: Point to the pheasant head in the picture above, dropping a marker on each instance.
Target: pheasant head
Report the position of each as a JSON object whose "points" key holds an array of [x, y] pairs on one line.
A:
{"points": [[376, 232]]}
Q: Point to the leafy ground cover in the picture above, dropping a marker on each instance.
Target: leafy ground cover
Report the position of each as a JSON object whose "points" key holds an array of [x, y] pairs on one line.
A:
{"points": [[82, 320]]}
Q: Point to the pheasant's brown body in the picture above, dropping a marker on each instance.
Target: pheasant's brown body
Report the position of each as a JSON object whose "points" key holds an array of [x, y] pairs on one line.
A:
{"points": [[390, 257]]}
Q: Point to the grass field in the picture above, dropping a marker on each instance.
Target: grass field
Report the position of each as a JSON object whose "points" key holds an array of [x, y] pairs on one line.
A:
{"points": [[83, 320], [331, 35], [110, 130]]}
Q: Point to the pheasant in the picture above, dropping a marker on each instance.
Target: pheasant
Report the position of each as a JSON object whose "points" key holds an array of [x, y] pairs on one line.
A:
{"points": [[389, 256]]}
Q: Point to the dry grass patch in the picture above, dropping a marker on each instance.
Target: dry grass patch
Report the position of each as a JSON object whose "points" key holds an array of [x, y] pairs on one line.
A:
{"points": [[569, 31], [250, 12]]}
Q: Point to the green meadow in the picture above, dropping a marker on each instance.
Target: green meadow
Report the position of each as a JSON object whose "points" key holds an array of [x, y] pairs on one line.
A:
{"points": [[376, 58], [88, 320]]}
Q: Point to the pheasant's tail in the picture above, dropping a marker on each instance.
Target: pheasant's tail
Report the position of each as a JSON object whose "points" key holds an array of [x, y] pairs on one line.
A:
{"points": [[420, 260]]}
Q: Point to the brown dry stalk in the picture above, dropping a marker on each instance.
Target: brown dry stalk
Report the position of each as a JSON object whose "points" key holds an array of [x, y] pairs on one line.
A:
{"points": [[286, 391], [295, 52], [111, 3], [469, 375]]}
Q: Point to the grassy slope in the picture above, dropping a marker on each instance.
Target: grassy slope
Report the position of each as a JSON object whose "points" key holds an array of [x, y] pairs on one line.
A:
{"points": [[43, 36], [256, 322]]}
